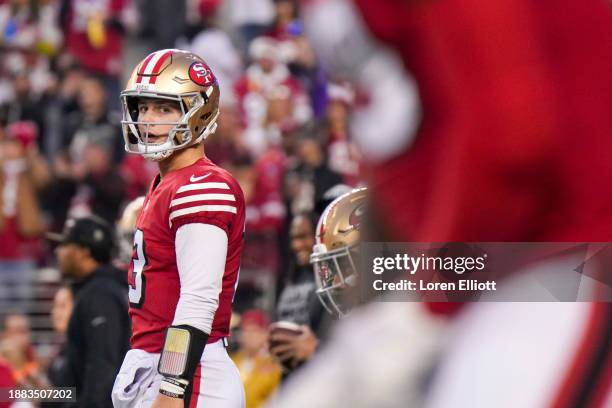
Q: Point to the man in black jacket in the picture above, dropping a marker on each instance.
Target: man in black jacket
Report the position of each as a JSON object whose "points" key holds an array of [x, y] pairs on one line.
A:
{"points": [[99, 328]]}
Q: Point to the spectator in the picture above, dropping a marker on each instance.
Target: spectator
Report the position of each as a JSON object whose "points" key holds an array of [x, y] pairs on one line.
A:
{"points": [[6, 381], [252, 17], [296, 51], [260, 374], [99, 328], [93, 122], [93, 32], [298, 302], [24, 106], [92, 147], [137, 173], [268, 79], [265, 218], [226, 146], [265, 208], [58, 103], [29, 26], [286, 17], [61, 311], [310, 177], [162, 21], [16, 348], [29, 35], [82, 188], [23, 172], [216, 46], [342, 152]]}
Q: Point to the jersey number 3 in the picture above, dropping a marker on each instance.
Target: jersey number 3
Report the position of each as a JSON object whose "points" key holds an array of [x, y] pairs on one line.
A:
{"points": [[139, 261]]}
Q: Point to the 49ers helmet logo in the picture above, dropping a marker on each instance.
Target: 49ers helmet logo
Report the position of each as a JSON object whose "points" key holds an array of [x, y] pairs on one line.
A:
{"points": [[356, 217], [354, 222], [201, 74]]}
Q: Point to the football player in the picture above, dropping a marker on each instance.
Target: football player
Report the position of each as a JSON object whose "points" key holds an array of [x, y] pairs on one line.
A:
{"points": [[390, 370], [335, 253], [187, 245]]}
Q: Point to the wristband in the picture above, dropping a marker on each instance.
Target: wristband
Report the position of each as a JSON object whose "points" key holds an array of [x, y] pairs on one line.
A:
{"points": [[173, 387], [182, 351]]}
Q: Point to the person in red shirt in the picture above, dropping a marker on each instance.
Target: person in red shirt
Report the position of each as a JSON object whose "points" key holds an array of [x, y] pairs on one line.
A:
{"points": [[93, 34], [23, 174], [6, 381], [269, 97], [187, 245]]}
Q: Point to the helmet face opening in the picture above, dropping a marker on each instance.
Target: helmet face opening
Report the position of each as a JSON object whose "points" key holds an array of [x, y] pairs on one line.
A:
{"points": [[335, 273], [137, 134]]}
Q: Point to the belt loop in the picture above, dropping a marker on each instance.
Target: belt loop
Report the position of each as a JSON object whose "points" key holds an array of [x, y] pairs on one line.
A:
{"points": [[225, 342]]}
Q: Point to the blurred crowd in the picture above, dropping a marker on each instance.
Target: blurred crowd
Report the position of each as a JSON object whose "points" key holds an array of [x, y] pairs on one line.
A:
{"points": [[283, 133], [283, 129]]}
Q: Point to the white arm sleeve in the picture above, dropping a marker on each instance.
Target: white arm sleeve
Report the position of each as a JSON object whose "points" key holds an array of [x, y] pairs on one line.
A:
{"points": [[201, 250]]}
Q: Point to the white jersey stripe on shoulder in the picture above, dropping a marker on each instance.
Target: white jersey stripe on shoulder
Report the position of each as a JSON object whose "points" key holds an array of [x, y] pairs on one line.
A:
{"points": [[202, 197], [202, 186], [200, 208]]}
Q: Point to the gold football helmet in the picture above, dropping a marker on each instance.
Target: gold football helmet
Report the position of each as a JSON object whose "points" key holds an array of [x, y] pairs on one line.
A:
{"points": [[126, 226], [334, 255], [178, 76]]}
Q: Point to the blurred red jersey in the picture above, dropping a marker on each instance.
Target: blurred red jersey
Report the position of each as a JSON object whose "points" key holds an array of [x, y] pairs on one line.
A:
{"points": [[200, 193], [6, 380], [510, 147]]}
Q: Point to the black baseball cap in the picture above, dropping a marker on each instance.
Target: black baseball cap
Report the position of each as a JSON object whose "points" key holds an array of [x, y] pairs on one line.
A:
{"points": [[90, 232]]}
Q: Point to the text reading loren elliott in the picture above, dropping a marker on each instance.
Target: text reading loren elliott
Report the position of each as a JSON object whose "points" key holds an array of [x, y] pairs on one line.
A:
{"points": [[461, 285], [412, 264]]}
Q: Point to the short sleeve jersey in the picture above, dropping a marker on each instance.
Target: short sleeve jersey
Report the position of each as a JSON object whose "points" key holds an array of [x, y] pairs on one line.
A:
{"points": [[199, 193]]}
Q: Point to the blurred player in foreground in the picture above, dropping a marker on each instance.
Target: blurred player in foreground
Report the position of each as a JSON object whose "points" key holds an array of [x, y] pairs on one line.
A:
{"points": [[126, 228], [187, 245]]}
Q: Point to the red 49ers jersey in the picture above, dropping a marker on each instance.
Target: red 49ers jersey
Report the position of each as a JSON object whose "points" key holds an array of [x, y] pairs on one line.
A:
{"points": [[200, 193]]}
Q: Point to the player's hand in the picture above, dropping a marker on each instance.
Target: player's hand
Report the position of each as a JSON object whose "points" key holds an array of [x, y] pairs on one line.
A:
{"points": [[295, 347], [163, 401]]}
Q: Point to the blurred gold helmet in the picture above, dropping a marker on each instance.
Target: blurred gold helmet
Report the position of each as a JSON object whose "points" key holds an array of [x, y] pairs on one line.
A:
{"points": [[178, 76], [126, 227], [337, 239]]}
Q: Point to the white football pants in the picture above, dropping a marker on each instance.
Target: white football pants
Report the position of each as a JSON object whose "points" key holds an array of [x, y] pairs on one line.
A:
{"points": [[216, 383]]}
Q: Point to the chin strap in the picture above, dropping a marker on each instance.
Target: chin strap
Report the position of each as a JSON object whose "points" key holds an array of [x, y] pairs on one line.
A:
{"points": [[159, 156], [210, 129]]}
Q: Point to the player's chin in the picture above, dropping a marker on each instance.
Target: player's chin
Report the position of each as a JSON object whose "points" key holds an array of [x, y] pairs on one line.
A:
{"points": [[150, 138], [157, 139]]}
